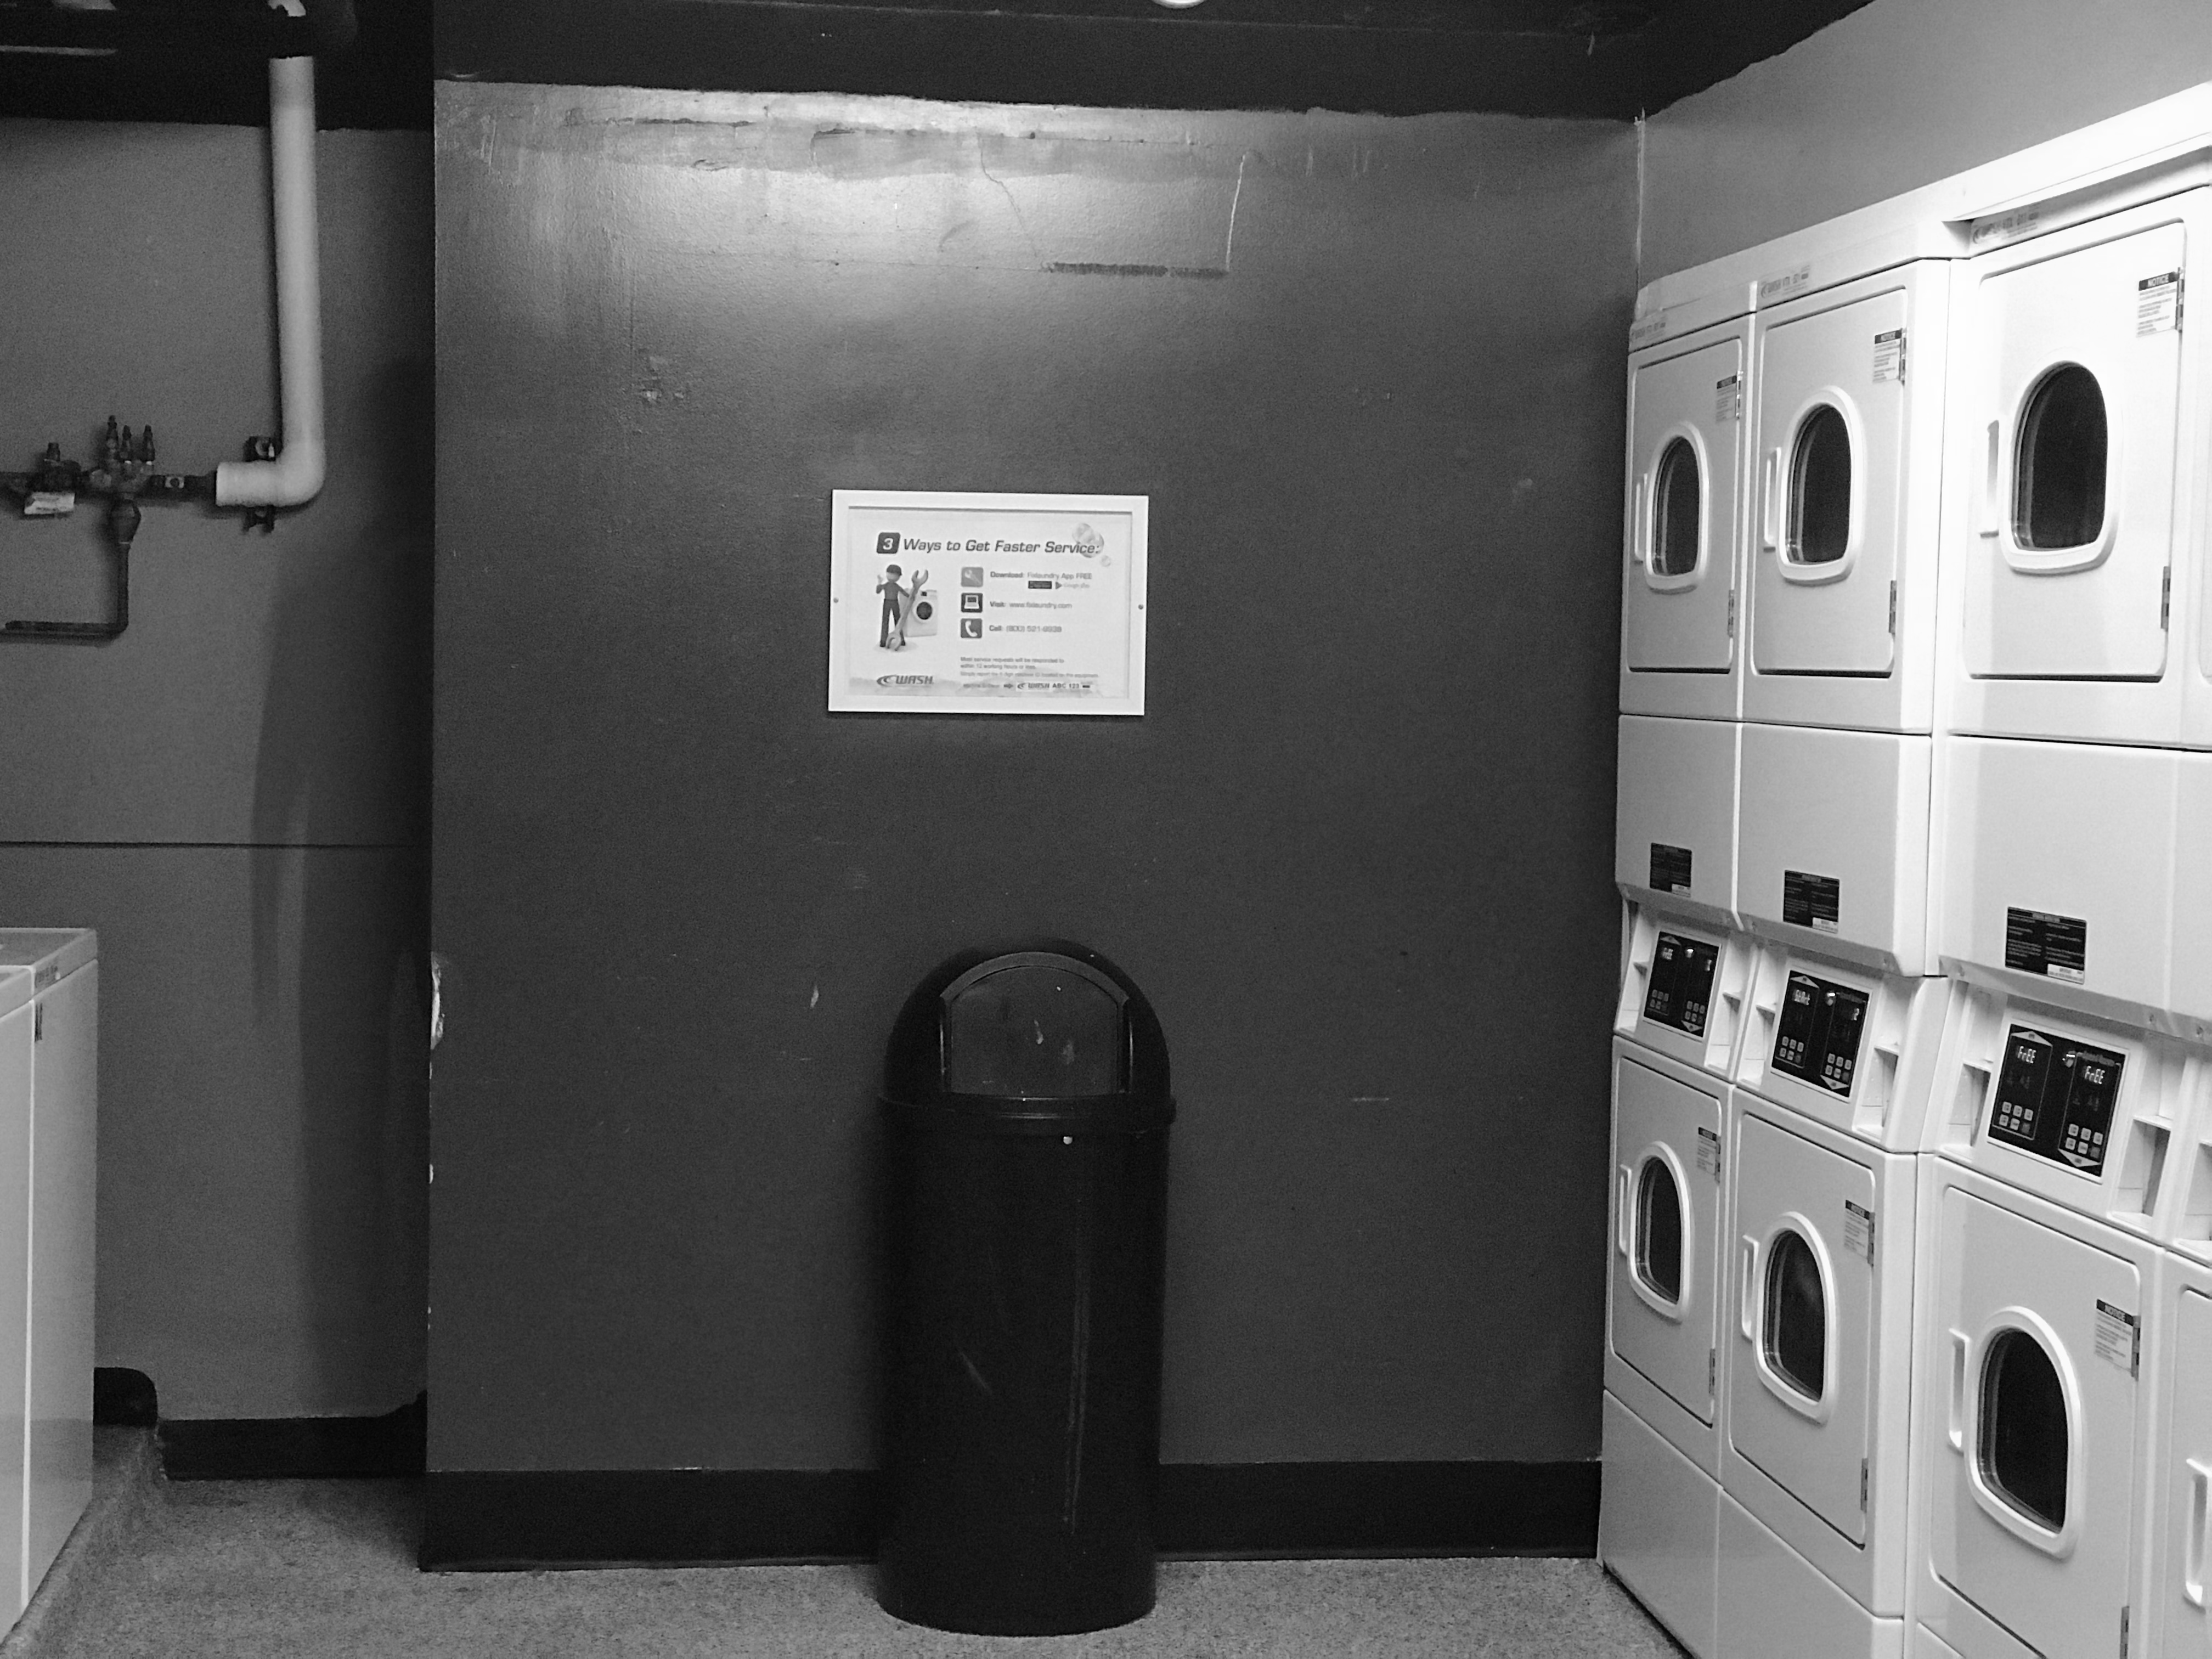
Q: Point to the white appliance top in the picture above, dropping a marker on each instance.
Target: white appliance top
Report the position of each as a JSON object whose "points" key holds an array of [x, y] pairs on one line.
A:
{"points": [[46, 954]]}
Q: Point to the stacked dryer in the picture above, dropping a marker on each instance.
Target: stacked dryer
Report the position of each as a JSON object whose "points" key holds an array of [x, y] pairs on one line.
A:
{"points": [[1846, 1011], [1685, 964], [2077, 805]]}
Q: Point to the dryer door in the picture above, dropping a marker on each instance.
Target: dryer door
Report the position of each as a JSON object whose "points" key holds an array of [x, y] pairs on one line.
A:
{"points": [[2033, 1487], [1667, 1164], [1827, 505], [2067, 442], [1687, 413], [2185, 1450], [1800, 1351]]}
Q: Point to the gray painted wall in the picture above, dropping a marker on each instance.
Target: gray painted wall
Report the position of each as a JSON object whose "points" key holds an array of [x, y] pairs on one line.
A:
{"points": [[1896, 95], [1357, 852], [234, 792]]}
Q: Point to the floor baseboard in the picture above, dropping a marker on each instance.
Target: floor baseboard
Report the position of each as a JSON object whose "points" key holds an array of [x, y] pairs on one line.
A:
{"points": [[309, 1447], [489, 1520]]}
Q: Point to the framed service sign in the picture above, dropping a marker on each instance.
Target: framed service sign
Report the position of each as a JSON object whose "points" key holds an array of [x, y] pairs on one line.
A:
{"points": [[944, 602]]}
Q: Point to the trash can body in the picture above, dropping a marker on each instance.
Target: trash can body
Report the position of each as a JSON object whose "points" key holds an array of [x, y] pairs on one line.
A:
{"points": [[1026, 1244]]}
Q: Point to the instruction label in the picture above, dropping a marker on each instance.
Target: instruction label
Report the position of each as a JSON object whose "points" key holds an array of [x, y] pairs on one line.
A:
{"points": [[1728, 398], [2039, 942], [1889, 356], [1670, 868], [1708, 1152], [2158, 303], [2118, 1336], [1810, 901], [1858, 1230]]}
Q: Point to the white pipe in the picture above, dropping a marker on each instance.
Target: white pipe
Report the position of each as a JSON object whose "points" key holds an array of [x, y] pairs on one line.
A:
{"points": [[297, 472]]}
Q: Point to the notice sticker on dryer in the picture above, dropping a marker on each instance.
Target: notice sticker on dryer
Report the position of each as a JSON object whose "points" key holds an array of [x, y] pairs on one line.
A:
{"points": [[2119, 1336], [1858, 1230], [1728, 398], [1670, 868], [2158, 303], [2040, 942], [1708, 1152], [1889, 356], [1810, 901]]}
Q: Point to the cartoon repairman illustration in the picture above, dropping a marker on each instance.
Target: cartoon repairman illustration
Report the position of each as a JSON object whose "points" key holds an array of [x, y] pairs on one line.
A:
{"points": [[899, 606]]}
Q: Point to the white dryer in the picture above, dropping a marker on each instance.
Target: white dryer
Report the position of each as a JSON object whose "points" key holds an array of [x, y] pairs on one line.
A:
{"points": [[2040, 1223], [1658, 1520], [1688, 364], [1684, 964], [2076, 456], [2058, 871], [2189, 976], [1847, 439]]}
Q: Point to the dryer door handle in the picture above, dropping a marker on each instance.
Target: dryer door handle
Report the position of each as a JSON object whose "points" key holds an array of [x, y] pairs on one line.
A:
{"points": [[1620, 1211], [2200, 1495], [1770, 500], [1990, 468], [1746, 1306], [1639, 528], [1956, 1429]]}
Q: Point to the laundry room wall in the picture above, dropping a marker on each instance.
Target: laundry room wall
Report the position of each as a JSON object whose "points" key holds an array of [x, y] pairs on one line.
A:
{"points": [[234, 792], [1896, 95], [1357, 850]]}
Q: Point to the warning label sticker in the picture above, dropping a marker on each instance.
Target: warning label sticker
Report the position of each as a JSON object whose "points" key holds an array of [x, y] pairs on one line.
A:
{"points": [[1728, 398], [1670, 868], [2158, 303], [1810, 901], [1708, 1152], [2118, 1335], [1889, 356], [1858, 1230], [2039, 942]]}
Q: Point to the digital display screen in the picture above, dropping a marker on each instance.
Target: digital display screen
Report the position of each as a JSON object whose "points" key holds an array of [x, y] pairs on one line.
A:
{"points": [[1681, 989], [1818, 1037], [2055, 1098]]}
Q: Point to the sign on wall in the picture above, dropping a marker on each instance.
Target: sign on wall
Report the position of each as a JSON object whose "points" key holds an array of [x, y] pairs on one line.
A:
{"points": [[945, 602]]}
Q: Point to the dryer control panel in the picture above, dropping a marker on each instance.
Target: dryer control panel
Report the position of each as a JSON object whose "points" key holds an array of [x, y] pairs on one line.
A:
{"points": [[1681, 989], [1817, 1037], [2055, 1098]]}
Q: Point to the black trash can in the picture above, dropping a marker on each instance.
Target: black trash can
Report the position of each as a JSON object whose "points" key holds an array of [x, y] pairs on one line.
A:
{"points": [[1028, 1106]]}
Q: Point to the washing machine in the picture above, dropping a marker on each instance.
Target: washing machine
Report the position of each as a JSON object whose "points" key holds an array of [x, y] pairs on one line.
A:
{"points": [[1688, 364], [2058, 867], [2037, 1334], [2075, 455], [1658, 1520], [1685, 963]]}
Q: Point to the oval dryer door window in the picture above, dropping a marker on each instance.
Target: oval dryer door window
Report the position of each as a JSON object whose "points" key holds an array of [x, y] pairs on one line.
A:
{"points": [[2058, 489], [1677, 510], [2025, 1437], [1820, 488], [1794, 1338], [1659, 1232]]}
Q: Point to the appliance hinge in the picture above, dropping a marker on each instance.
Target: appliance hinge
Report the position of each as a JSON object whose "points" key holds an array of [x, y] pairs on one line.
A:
{"points": [[2165, 596], [38, 1022], [1864, 1477], [1893, 610], [2123, 1633], [1712, 1371], [1731, 613]]}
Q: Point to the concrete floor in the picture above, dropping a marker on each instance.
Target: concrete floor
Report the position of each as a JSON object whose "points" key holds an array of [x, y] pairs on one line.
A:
{"points": [[292, 1568]]}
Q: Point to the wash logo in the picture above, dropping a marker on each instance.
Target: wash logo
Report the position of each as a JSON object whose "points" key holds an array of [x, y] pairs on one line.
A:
{"points": [[906, 679], [887, 543]]}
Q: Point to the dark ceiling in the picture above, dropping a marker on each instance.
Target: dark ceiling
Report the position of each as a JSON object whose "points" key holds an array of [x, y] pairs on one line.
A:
{"points": [[1608, 58]]}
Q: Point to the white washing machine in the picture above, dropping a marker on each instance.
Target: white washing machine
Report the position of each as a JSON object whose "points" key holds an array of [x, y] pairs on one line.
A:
{"points": [[2039, 1225], [1846, 497], [2058, 869], [2076, 458], [1684, 964], [1688, 363], [1658, 1522]]}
